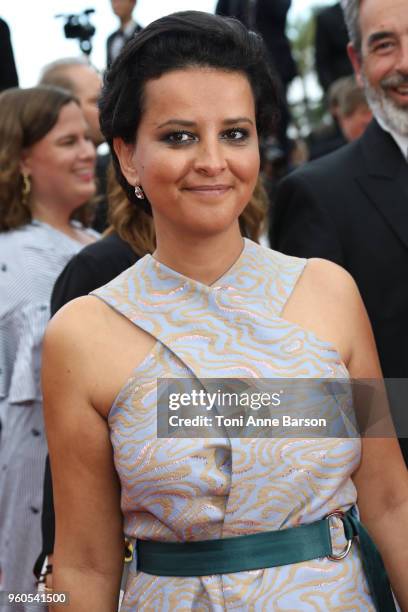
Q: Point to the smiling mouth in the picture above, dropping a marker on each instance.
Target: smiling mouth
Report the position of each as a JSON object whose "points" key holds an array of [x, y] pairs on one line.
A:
{"points": [[210, 190], [85, 174], [398, 96], [401, 91]]}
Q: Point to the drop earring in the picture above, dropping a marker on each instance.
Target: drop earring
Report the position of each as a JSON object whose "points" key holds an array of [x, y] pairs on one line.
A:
{"points": [[26, 189], [139, 193]]}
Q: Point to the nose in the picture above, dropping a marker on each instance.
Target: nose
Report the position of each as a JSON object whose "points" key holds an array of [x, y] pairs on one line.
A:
{"points": [[402, 63], [87, 149], [210, 157]]}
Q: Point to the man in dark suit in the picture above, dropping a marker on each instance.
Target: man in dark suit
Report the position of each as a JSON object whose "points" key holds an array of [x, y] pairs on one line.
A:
{"points": [[8, 72], [269, 19], [352, 206], [331, 59], [123, 9], [239, 9]]}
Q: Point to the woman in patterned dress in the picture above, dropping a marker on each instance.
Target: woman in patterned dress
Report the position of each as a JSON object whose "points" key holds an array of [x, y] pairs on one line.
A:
{"points": [[46, 176], [182, 109]]}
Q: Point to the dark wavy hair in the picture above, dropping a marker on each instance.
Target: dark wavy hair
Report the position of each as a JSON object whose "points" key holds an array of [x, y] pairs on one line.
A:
{"points": [[183, 40]]}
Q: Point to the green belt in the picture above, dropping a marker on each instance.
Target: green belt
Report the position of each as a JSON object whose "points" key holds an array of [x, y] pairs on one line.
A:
{"points": [[268, 549]]}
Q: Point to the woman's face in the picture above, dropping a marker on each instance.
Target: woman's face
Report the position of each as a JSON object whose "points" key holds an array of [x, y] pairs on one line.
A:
{"points": [[61, 165], [196, 153]]}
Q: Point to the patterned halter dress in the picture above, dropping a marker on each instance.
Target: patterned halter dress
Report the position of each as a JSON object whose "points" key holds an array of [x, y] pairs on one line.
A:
{"points": [[180, 490]]}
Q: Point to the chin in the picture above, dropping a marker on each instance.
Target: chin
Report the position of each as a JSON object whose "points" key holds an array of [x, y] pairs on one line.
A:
{"points": [[87, 194], [83, 199], [210, 225]]}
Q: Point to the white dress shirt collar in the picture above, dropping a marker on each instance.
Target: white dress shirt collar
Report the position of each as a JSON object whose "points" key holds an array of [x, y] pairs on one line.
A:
{"points": [[129, 28]]}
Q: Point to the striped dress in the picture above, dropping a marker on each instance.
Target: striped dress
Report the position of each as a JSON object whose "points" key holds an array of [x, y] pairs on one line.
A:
{"points": [[190, 489], [31, 258]]}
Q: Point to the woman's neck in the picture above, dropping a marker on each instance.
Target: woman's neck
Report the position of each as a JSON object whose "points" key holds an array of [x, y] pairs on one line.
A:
{"points": [[202, 259], [56, 216]]}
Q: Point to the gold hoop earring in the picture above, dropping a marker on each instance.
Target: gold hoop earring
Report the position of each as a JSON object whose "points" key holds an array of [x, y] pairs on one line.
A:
{"points": [[26, 189]]}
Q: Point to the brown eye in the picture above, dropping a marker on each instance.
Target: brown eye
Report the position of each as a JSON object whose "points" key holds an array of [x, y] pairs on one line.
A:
{"points": [[67, 142], [179, 138], [236, 134], [384, 46]]}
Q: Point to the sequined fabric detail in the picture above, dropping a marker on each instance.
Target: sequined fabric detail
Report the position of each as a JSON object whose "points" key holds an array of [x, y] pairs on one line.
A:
{"points": [[195, 489]]}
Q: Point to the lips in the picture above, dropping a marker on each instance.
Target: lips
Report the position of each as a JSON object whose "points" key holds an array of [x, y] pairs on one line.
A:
{"points": [[399, 95], [208, 187], [85, 174], [208, 191], [396, 85], [401, 91]]}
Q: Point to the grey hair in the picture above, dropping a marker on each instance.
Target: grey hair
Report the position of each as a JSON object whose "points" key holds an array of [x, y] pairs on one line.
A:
{"points": [[57, 73], [351, 10]]}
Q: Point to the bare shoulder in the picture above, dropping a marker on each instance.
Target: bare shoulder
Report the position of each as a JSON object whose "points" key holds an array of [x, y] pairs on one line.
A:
{"points": [[324, 285], [69, 341], [86, 323], [76, 315], [328, 276], [91, 345], [326, 300], [72, 332]]}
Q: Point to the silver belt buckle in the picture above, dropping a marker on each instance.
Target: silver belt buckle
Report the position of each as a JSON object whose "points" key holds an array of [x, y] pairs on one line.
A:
{"points": [[343, 554]]}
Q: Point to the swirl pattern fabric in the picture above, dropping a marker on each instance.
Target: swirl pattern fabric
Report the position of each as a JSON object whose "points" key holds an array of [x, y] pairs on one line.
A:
{"points": [[196, 489]]}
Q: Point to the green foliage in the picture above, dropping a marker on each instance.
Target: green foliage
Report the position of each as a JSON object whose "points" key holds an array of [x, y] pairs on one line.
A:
{"points": [[310, 110], [302, 35]]}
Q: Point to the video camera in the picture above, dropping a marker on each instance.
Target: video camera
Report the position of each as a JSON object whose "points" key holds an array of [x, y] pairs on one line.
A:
{"points": [[79, 26]]}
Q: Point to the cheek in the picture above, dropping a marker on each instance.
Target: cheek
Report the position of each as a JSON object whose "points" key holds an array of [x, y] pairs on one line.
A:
{"points": [[159, 168], [53, 161], [44, 170], [57, 174], [62, 165], [247, 168], [378, 68]]}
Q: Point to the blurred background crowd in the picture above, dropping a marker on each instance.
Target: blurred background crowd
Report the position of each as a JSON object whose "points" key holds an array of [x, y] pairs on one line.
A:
{"points": [[308, 36]]}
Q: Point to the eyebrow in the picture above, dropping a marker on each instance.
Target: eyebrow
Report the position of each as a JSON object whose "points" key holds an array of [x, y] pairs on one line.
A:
{"points": [[185, 123], [65, 136], [71, 135], [378, 36]]}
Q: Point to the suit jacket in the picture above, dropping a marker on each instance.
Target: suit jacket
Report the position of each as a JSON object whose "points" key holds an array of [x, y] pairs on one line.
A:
{"points": [[111, 38], [8, 72], [331, 40], [94, 266], [240, 9], [100, 222], [352, 207], [269, 19]]}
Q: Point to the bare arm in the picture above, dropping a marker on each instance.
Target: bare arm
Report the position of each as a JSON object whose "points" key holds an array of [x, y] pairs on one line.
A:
{"points": [[88, 554], [326, 301], [382, 478]]}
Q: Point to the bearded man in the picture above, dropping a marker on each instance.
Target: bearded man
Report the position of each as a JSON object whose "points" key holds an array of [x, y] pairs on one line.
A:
{"points": [[352, 206]]}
